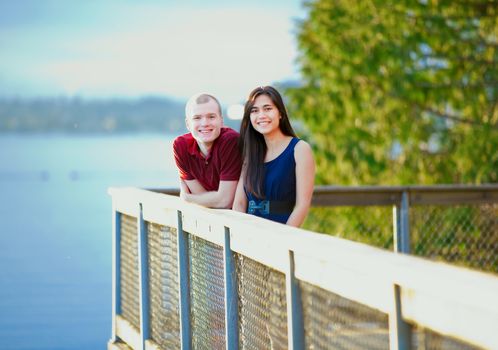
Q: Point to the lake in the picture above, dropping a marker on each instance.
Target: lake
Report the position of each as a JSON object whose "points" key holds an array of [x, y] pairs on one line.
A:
{"points": [[55, 232]]}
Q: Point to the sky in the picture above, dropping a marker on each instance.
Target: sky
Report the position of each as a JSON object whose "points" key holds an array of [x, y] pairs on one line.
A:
{"points": [[101, 49]]}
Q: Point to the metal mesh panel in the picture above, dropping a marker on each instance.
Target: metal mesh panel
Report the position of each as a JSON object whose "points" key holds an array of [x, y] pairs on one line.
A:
{"points": [[369, 224], [262, 306], [333, 322], [425, 339], [207, 293], [163, 280], [130, 296], [466, 234]]}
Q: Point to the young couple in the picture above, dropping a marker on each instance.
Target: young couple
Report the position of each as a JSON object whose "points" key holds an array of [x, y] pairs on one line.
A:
{"points": [[265, 171]]}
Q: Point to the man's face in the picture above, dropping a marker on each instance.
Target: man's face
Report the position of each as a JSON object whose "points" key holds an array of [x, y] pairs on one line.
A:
{"points": [[205, 122]]}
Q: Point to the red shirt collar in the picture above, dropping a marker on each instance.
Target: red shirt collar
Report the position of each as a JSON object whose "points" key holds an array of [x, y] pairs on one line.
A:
{"points": [[193, 148]]}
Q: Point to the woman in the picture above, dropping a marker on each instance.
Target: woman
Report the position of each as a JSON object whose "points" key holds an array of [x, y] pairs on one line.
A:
{"points": [[278, 168]]}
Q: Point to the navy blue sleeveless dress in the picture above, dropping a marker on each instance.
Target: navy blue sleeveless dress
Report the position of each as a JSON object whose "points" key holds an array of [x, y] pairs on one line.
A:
{"points": [[279, 187]]}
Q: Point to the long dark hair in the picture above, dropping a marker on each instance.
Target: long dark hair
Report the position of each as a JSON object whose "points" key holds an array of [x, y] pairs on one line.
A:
{"points": [[252, 143]]}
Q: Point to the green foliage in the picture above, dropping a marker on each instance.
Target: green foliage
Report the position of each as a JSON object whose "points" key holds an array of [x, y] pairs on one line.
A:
{"points": [[462, 234], [370, 224], [400, 92]]}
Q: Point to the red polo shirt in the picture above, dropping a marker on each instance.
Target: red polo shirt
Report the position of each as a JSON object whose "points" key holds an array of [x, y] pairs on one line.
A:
{"points": [[223, 163]]}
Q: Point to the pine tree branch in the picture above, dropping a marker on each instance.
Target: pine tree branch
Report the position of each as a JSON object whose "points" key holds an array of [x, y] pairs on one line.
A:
{"points": [[456, 84], [452, 117], [460, 59]]}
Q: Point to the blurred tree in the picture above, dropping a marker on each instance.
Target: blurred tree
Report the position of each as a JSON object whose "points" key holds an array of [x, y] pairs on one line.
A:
{"points": [[400, 92]]}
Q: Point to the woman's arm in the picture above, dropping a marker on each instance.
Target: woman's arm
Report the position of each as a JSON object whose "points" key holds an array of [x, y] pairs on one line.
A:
{"points": [[240, 201], [305, 180]]}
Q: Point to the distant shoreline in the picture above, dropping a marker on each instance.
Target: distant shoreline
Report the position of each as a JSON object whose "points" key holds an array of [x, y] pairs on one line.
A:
{"points": [[104, 117]]}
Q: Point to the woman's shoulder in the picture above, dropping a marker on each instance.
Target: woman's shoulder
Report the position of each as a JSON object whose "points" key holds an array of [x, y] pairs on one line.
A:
{"points": [[302, 148], [301, 144]]}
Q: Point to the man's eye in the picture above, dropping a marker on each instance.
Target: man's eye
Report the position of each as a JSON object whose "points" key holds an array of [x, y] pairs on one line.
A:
{"points": [[254, 110], [267, 109]]}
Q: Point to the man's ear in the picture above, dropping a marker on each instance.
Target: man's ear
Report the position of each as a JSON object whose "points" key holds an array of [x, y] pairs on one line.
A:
{"points": [[187, 124]]}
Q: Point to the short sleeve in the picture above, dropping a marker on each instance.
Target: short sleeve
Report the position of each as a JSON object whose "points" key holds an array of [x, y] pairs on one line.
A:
{"points": [[181, 158], [231, 159]]}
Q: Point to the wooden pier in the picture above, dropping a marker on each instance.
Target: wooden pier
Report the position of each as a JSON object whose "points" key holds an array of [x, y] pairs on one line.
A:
{"points": [[189, 277]]}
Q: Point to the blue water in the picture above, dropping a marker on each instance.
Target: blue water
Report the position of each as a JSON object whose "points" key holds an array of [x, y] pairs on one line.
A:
{"points": [[55, 232]]}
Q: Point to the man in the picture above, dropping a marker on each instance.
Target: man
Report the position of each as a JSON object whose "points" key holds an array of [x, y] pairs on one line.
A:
{"points": [[207, 157]]}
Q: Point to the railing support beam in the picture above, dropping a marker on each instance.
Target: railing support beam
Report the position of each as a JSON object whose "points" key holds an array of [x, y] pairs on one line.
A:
{"points": [[400, 332], [116, 270], [184, 290], [231, 297], [401, 225], [144, 279], [295, 328]]}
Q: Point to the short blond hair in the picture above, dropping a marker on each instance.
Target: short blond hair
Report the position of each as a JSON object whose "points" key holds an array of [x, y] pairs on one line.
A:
{"points": [[198, 99]]}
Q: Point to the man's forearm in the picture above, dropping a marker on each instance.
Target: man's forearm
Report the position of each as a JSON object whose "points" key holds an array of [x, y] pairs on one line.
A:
{"points": [[212, 199]]}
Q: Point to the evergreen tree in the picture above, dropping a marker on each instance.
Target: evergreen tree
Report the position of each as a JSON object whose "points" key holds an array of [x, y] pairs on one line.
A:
{"points": [[400, 92]]}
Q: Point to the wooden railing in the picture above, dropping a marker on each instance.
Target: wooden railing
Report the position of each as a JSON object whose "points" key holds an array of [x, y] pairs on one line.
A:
{"points": [[393, 195], [402, 199], [414, 294]]}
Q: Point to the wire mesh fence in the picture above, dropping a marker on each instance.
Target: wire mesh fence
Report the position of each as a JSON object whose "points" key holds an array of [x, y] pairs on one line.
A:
{"points": [[130, 289], [163, 280], [207, 294], [464, 234], [425, 339], [334, 322], [369, 224], [262, 306]]}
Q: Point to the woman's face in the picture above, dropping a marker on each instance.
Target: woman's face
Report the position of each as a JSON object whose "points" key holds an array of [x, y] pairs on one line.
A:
{"points": [[265, 117]]}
